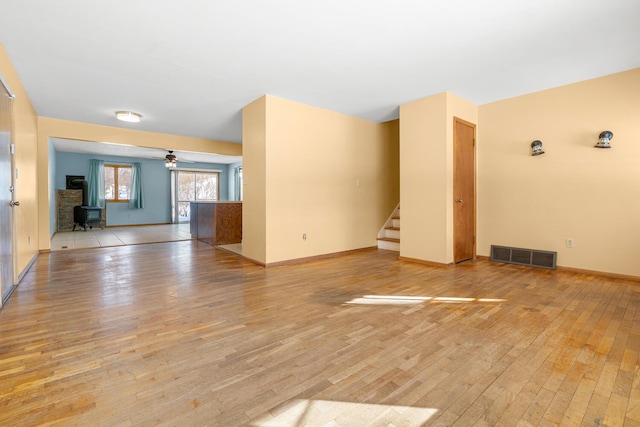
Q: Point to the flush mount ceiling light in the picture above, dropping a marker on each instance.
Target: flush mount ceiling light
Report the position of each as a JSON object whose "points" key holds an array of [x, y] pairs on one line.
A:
{"points": [[128, 116], [536, 148], [604, 139]]}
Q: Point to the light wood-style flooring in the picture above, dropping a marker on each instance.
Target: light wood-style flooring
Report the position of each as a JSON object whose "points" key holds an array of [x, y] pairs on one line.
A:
{"points": [[119, 236], [186, 334]]}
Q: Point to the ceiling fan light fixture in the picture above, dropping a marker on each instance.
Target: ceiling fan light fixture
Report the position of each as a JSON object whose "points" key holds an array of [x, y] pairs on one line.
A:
{"points": [[128, 116], [171, 161]]}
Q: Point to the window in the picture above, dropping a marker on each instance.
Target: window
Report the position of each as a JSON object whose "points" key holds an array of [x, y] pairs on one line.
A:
{"points": [[195, 186], [117, 183]]}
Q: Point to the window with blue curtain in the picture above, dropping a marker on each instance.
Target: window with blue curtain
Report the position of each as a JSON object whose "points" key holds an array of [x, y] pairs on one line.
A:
{"points": [[95, 183], [136, 200]]}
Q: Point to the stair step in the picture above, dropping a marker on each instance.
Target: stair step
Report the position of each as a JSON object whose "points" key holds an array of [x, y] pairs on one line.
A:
{"points": [[391, 233], [389, 244], [389, 239]]}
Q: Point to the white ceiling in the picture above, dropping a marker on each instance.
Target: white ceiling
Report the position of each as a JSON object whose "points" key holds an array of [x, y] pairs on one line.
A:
{"points": [[190, 66]]}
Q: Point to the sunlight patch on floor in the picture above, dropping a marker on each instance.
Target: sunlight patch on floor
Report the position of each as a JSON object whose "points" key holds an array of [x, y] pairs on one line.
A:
{"points": [[453, 300], [412, 300], [388, 300], [303, 412]]}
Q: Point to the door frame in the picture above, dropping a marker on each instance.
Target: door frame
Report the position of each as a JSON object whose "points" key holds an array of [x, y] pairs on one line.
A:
{"points": [[12, 215], [175, 180], [475, 185]]}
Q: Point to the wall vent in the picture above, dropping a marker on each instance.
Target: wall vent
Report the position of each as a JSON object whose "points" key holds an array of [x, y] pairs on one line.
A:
{"points": [[530, 257]]}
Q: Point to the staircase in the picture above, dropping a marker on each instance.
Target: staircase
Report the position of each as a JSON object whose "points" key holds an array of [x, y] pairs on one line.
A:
{"points": [[389, 235]]}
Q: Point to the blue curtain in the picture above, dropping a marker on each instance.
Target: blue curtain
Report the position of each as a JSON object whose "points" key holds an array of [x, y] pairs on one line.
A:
{"points": [[136, 200], [95, 181], [236, 186]]}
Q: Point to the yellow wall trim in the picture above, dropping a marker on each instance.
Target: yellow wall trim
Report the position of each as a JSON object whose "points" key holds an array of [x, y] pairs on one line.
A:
{"points": [[57, 128]]}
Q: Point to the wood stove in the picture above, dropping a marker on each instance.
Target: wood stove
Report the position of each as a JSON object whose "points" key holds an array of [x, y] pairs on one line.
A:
{"points": [[84, 216]]}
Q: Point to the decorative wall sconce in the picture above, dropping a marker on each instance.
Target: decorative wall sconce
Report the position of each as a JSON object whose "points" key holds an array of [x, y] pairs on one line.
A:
{"points": [[536, 148], [604, 139]]}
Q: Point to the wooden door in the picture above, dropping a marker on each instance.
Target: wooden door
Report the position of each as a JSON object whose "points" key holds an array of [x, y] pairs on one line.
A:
{"points": [[464, 190]]}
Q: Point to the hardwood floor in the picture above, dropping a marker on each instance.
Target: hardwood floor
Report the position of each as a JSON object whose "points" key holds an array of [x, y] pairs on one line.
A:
{"points": [[185, 334]]}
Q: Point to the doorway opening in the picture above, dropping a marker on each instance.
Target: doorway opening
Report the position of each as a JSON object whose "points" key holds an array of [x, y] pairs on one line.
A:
{"points": [[7, 194], [192, 186]]}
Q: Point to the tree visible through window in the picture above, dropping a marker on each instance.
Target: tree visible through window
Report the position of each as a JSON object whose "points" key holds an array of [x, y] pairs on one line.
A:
{"points": [[195, 186], [117, 183]]}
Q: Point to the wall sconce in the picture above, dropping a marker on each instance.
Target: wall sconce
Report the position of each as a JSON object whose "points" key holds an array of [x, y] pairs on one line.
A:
{"points": [[536, 148], [604, 139]]}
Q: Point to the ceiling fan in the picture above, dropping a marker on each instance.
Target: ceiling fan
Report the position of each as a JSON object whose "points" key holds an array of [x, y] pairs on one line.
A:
{"points": [[171, 160]]}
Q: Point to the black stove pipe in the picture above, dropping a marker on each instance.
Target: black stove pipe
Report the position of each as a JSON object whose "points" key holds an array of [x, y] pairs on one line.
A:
{"points": [[85, 190]]}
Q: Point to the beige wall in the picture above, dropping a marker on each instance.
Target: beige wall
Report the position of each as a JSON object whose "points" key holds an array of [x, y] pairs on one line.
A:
{"points": [[55, 128], [426, 175], [423, 179], [254, 220], [25, 139], [326, 176], [390, 167], [573, 190]]}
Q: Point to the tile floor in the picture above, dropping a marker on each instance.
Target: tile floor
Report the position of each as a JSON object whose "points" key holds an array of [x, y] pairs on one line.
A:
{"points": [[119, 236]]}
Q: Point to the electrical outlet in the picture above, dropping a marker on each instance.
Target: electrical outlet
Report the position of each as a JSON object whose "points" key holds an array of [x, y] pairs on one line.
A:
{"points": [[570, 242]]}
